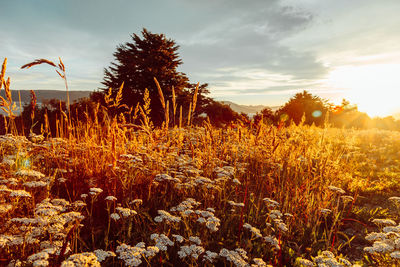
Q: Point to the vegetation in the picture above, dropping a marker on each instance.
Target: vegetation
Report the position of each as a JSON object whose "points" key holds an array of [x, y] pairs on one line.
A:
{"points": [[99, 189]]}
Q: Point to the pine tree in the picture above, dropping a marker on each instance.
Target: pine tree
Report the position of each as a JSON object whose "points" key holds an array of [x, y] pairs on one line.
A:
{"points": [[138, 63]]}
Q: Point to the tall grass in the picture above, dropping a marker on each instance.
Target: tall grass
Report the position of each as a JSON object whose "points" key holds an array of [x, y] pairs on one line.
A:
{"points": [[124, 194]]}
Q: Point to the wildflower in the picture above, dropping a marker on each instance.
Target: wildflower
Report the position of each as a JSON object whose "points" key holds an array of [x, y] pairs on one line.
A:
{"points": [[84, 196], [81, 259], [213, 223], [344, 261], [151, 251], [111, 198], [271, 203], [35, 184], [252, 229], [102, 255], [95, 191], [5, 208], [336, 189], [20, 193], [162, 241], [328, 254], [192, 250], [395, 254], [136, 201], [211, 210], [38, 256], [388, 229], [384, 221], [178, 238], [195, 239], [375, 236], [234, 256], [130, 255], [305, 262], [232, 203], [259, 262], [201, 220], [275, 214], [40, 263], [164, 215], [115, 216], [380, 247], [126, 212], [210, 256], [30, 173]]}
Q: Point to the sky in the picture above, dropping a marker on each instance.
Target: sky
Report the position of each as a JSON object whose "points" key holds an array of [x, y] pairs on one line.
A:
{"points": [[258, 52]]}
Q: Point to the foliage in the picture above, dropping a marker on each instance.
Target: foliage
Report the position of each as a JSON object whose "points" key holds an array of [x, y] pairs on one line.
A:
{"points": [[313, 108], [140, 61]]}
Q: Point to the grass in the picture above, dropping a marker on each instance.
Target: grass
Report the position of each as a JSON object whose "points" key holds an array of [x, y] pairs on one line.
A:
{"points": [[199, 196]]}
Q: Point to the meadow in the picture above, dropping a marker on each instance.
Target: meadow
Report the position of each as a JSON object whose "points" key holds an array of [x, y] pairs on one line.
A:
{"points": [[109, 193]]}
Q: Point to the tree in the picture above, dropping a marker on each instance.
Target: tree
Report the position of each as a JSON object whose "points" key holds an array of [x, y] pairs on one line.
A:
{"points": [[139, 62], [312, 107], [220, 114], [267, 115]]}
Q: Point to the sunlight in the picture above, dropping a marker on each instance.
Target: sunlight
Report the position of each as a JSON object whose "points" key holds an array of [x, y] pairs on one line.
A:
{"points": [[374, 88]]}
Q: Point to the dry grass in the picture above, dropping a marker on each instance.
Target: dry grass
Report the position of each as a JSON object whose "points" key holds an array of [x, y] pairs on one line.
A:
{"points": [[277, 195]]}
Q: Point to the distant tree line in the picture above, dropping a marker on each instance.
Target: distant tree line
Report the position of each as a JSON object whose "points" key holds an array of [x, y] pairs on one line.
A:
{"points": [[131, 81]]}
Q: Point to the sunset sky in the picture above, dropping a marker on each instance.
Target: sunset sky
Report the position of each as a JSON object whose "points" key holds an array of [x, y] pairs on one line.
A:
{"points": [[250, 52]]}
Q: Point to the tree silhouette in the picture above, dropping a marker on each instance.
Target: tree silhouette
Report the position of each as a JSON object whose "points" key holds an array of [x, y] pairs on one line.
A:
{"points": [[312, 107], [139, 62]]}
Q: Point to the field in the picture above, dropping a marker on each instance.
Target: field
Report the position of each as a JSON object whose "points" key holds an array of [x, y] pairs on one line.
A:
{"points": [[201, 196]]}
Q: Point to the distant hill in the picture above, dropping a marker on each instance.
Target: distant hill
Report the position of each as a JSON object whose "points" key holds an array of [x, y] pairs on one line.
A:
{"points": [[248, 109], [47, 94]]}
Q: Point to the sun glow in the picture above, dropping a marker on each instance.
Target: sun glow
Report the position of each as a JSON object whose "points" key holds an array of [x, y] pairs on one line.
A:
{"points": [[374, 88]]}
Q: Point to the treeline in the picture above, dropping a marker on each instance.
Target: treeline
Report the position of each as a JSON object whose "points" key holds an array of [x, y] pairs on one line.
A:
{"points": [[308, 109], [144, 85]]}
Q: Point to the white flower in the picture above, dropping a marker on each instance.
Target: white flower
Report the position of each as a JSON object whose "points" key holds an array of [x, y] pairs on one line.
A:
{"points": [[126, 212], [232, 203], [111, 198], [115, 216], [384, 221], [305, 262], [259, 262], [210, 256], [252, 229], [95, 191], [271, 203], [102, 255], [395, 254], [151, 251], [82, 259], [192, 250], [38, 256], [195, 239], [178, 238], [84, 196], [164, 215], [20, 193]]}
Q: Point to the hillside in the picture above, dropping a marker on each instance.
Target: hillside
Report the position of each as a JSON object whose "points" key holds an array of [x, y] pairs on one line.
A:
{"points": [[47, 94], [248, 109]]}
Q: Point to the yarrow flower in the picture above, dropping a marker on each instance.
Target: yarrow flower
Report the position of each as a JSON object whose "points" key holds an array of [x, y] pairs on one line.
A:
{"points": [[126, 212], [164, 215], [82, 259], [102, 255], [94, 191], [111, 198]]}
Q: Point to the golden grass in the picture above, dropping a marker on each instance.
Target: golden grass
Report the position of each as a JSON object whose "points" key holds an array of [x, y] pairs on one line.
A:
{"points": [[276, 193]]}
